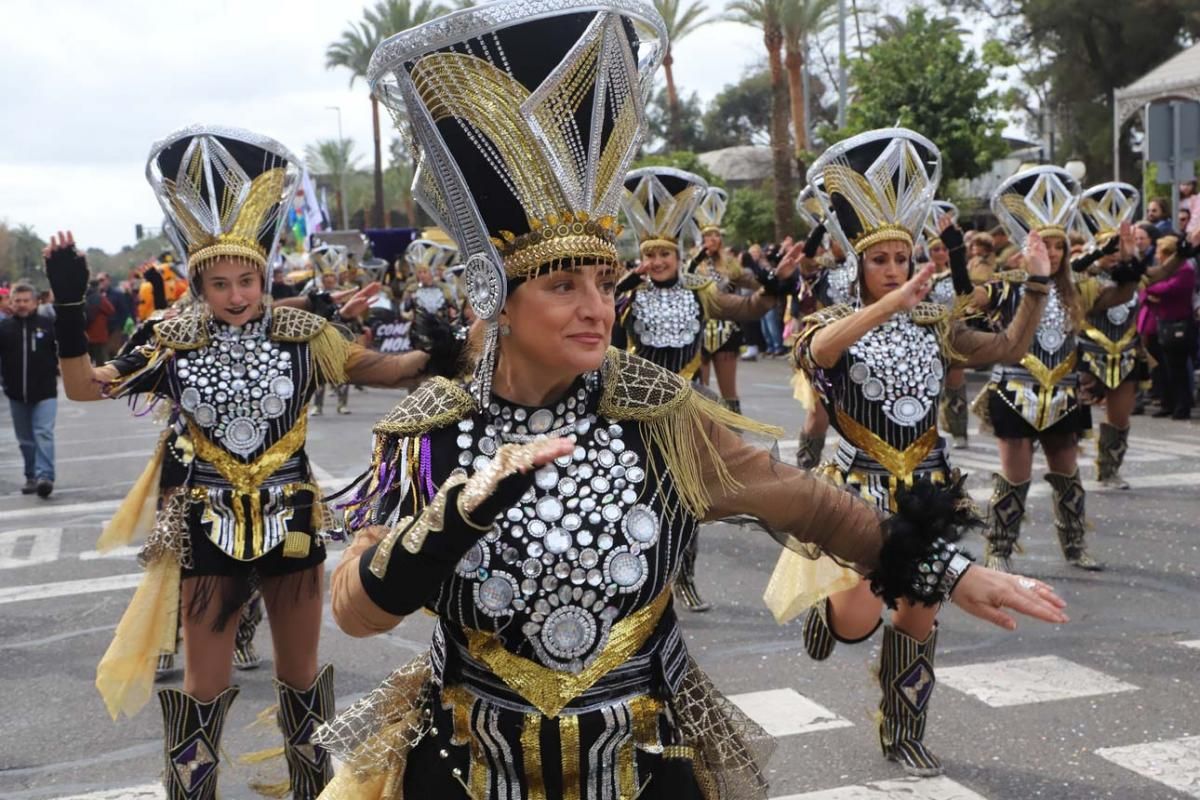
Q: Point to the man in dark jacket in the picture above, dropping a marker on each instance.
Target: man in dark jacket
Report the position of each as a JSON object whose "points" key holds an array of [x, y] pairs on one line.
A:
{"points": [[29, 370]]}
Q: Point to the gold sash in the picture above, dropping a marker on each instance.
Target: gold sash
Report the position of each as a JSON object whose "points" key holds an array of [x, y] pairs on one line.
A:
{"points": [[247, 478], [900, 463], [550, 690], [1048, 378]]}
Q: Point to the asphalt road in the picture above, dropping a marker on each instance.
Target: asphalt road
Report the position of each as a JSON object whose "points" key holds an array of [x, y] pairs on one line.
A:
{"points": [[1107, 706]]}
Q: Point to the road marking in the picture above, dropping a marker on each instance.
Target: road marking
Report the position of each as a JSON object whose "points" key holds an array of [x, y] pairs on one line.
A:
{"points": [[44, 546], [128, 551], [1175, 762], [145, 456], [940, 788], [1195, 644], [45, 509], [44, 591], [784, 712], [147, 791], [1022, 681]]}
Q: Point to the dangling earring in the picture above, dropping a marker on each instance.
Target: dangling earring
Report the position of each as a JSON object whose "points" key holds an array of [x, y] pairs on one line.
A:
{"points": [[505, 329], [486, 366]]}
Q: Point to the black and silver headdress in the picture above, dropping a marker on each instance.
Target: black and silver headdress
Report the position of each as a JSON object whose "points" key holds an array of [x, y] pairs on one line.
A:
{"points": [[659, 204], [877, 187], [225, 192], [1042, 199], [527, 114]]}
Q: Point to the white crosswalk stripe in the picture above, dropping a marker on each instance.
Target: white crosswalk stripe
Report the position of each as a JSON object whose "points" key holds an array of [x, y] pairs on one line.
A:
{"points": [[1175, 762], [785, 712], [29, 546], [148, 791], [1029, 680], [1194, 644], [941, 788]]}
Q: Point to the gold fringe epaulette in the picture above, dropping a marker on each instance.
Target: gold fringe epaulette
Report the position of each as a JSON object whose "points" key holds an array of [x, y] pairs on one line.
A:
{"points": [[827, 315], [929, 313], [330, 346], [675, 419], [187, 331], [435, 404], [295, 324], [695, 282]]}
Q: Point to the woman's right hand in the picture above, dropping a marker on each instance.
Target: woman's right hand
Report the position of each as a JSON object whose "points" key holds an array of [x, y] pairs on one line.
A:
{"points": [[66, 269], [906, 297], [985, 593]]}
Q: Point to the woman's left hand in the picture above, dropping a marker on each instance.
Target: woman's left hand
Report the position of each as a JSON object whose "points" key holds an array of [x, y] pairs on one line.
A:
{"points": [[986, 593], [790, 262], [1037, 260]]}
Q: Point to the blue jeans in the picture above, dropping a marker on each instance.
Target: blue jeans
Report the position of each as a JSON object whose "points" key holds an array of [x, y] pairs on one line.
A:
{"points": [[34, 426], [772, 328]]}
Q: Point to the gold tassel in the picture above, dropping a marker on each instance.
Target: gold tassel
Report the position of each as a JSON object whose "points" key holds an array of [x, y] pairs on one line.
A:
{"points": [[330, 351], [125, 675], [278, 789], [681, 436], [260, 756], [135, 516]]}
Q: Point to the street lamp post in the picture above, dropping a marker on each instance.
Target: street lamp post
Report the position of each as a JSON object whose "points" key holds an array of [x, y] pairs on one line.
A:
{"points": [[342, 173]]}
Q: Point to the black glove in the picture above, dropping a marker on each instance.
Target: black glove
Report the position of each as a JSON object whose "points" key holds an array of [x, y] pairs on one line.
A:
{"points": [[1186, 249], [157, 287], [321, 304], [413, 578], [813, 243], [1129, 271], [444, 341], [70, 330], [631, 279], [952, 237], [67, 270]]}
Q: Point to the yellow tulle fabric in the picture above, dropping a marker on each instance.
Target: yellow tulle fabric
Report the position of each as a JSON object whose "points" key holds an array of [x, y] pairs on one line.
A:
{"points": [[125, 676], [347, 786], [135, 516], [803, 391], [799, 582]]}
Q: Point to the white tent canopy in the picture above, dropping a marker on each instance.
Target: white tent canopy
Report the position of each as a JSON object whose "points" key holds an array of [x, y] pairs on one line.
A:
{"points": [[1178, 78]]}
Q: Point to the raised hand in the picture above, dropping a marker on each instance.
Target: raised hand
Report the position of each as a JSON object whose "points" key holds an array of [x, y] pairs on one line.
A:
{"points": [[792, 256], [1037, 260], [66, 269], [352, 303], [945, 221], [985, 593], [912, 292], [1128, 248]]}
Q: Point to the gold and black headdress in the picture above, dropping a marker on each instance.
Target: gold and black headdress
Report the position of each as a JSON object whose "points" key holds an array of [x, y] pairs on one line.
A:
{"points": [[876, 187], [527, 115], [933, 231], [1104, 207], [1043, 199], [659, 204], [711, 211], [225, 192]]}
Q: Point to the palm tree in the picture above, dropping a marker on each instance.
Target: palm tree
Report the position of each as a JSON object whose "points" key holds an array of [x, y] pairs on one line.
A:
{"points": [[353, 51], [333, 159], [767, 15], [802, 19], [680, 22]]}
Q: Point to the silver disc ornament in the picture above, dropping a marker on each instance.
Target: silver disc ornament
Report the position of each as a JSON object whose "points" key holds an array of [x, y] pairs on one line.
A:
{"points": [[486, 286]]}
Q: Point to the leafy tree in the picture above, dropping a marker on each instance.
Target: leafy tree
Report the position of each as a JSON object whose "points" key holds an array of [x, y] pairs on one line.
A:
{"points": [[802, 20], [750, 218], [682, 19], [740, 114], [926, 79], [766, 15], [1073, 54], [688, 123], [679, 159]]}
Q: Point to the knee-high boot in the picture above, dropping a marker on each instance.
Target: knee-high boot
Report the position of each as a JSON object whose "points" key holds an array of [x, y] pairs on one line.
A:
{"points": [[819, 636], [192, 742], [685, 582], [907, 679], [301, 712], [1004, 521], [1069, 519], [1110, 454], [954, 414], [808, 450]]}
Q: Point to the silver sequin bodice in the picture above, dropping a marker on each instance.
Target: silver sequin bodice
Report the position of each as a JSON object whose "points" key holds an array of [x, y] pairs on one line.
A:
{"points": [[430, 298], [666, 316]]}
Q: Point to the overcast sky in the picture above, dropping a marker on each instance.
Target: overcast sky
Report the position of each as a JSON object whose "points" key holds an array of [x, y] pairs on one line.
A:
{"points": [[88, 85]]}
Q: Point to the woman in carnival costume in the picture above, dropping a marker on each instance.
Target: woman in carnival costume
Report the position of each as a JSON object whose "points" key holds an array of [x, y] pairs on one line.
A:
{"points": [[880, 365], [247, 512], [1037, 399], [539, 507], [1109, 348], [667, 313]]}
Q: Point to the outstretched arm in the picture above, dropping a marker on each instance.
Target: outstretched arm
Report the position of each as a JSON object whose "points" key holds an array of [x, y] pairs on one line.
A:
{"points": [[67, 271]]}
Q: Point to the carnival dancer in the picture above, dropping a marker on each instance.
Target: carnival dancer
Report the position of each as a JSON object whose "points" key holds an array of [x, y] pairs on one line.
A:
{"points": [[665, 312], [248, 510], [1037, 399], [331, 271], [1110, 351], [955, 410], [880, 366], [426, 291], [722, 337], [557, 667]]}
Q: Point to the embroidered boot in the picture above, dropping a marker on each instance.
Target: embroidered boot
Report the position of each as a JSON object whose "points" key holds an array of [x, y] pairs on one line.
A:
{"points": [[808, 450], [1110, 454], [954, 415], [819, 636], [1069, 520], [192, 742], [907, 679], [1004, 522], [300, 714]]}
